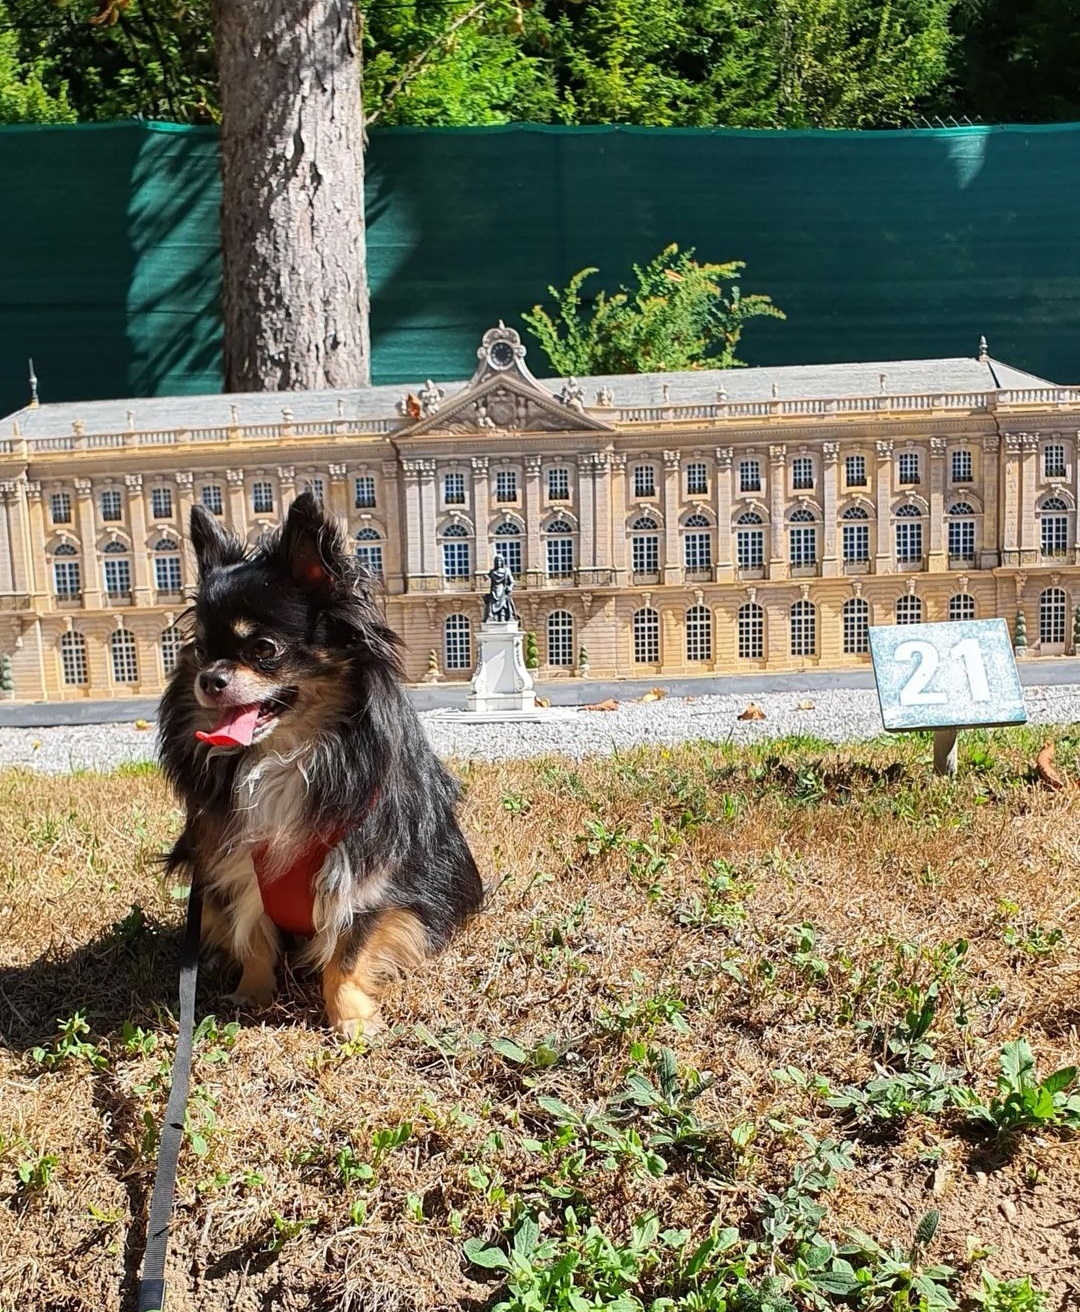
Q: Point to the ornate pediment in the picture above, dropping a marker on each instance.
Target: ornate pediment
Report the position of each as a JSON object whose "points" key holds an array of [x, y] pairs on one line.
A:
{"points": [[501, 397]]}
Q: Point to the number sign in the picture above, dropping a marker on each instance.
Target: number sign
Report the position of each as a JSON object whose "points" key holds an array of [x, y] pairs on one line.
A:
{"points": [[938, 676]]}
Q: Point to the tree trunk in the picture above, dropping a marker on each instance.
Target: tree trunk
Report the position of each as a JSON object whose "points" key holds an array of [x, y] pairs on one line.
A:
{"points": [[295, 300]]}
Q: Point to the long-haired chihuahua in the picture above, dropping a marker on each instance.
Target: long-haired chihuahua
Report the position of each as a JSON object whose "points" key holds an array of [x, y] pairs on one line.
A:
{"points": [[315, 807]]}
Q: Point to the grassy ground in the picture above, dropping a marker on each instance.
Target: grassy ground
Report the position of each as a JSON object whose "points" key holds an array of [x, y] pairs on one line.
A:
{"points": [[728, 1036]]}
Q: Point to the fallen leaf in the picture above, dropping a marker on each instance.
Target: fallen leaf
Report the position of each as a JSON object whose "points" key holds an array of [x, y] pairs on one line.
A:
{"points": [[655, 695], [805, 706], [609, 705], [1047, 772], [142, 724], [36, 745], [752, 712], [543, 702]]}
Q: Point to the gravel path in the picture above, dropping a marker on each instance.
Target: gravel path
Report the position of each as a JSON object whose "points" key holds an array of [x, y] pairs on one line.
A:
{"points": [[837, 715]]}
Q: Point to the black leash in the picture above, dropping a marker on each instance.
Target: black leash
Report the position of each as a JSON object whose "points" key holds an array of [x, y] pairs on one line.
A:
{"points": [[152, 1280]]}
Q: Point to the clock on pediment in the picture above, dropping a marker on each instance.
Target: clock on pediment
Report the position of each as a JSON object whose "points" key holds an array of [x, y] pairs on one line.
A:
{"points": [[501, 355], [500, 350]]}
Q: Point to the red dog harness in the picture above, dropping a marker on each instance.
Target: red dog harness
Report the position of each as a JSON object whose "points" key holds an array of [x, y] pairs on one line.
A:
{"points": [[289, 898]]}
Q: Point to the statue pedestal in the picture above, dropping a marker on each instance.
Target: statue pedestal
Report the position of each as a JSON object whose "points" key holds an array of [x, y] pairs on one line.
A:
{"points": [[501, 681]]}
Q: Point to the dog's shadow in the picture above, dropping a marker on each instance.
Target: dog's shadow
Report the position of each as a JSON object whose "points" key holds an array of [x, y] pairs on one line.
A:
{"points": [[127, 977]]}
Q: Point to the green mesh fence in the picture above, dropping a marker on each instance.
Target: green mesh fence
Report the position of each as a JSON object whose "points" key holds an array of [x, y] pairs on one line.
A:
{"points": [[879, 245]]}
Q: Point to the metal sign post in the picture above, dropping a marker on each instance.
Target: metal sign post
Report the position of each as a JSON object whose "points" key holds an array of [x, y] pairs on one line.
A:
{"points": [[946, 677]]}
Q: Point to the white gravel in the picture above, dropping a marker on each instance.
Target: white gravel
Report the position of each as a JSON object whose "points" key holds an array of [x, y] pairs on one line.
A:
{"points": [[837, 715]]}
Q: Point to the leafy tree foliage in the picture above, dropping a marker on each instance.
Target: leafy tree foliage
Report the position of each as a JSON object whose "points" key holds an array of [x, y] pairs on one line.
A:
{"points": [[664, 63], [681, 315], [23, 96]]}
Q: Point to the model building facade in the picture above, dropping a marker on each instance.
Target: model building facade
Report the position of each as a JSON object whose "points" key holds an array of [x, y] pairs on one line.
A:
{"points": [[690, 523]]}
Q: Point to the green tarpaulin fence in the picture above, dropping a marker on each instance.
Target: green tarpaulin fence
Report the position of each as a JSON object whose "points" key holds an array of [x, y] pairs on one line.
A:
{"points": [[879, 245]]}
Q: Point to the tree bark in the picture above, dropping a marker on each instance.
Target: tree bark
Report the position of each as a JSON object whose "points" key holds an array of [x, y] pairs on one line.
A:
{"points": [[295, 300]]}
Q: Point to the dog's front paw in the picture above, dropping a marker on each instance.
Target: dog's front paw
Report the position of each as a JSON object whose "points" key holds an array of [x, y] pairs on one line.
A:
{"points": [[351, 1012], [254, 1001]]}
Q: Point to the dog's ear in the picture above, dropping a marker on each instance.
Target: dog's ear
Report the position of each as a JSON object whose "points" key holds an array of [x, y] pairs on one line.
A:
{"points": [[310, 550], [214, 546]]}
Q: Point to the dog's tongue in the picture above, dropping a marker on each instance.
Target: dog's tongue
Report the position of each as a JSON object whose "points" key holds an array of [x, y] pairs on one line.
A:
{"points": [[236, 728]]}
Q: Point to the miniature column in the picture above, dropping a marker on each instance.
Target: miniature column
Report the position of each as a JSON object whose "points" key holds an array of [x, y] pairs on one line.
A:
{"points": [[137, 519], [724, 533], [339, 492], [237, 503], [937, 562], [778, 565], [672, 563], [84, 515], [1029, 486], [481, 505], [883, 508], [586, 510], [411, 520], [7, 573], [428, 517], [1010, 527], [532, 513], [617, 489], [990, 544], [601, 534], [388, 502], [830, 452], [286, 486]]}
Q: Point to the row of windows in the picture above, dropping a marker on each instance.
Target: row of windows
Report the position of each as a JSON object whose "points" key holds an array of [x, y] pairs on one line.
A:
{"points": [[123, 656], [211, 495], [644, 480], [645, 626], [698, 626], [168, 576]]}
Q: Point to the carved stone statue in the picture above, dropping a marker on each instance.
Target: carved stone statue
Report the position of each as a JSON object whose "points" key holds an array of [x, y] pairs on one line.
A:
{"points": [[431, 396], [498, 604], [573, 394]]}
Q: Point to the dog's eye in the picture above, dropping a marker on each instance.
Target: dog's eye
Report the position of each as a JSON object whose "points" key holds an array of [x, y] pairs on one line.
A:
{"points": [[200, 652], [263, 650]]}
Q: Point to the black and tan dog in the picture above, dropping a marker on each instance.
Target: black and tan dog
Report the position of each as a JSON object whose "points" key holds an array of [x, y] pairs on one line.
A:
{"points": [[315, 806]]}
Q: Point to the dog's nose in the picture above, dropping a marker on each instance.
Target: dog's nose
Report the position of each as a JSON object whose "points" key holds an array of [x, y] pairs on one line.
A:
{"points": [[213, 681]]}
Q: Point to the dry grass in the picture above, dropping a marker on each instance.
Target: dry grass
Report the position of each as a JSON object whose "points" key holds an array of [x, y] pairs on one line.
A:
{"points": [[604, 942]]}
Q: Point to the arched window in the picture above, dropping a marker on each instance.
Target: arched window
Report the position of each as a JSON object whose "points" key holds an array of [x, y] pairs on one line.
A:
{"points": [[961, 534], [909, 535], [67, 572], [645, 547], [855, 536], [1053, 610], [751, 632], [457, 643], [646, 637], [171, 642], [856, 622], [369, 551], [74, 669], [803, 539], [117, 570], [457, 553], [125, 660], [804, 629], [559, 544], [507, 544], [167, 566], [1054, 526], [962, 606], [749, 541], [697, 546], [698, 634], [909, 609], [560, 638]]}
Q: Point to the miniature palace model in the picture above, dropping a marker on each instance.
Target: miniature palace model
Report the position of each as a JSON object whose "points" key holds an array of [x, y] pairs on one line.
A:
{"points": [[656, 524]]}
